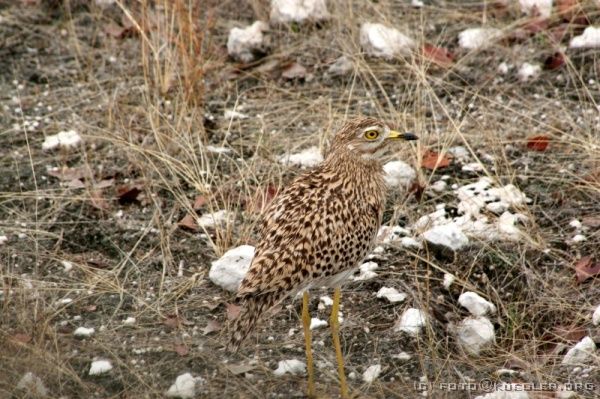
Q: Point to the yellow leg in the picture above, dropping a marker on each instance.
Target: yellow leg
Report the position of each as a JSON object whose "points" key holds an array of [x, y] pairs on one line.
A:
{"points": [[307, 341], [335, 332]]}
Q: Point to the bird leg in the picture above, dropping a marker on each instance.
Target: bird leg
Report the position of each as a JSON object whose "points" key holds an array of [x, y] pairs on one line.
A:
{"points": [[307, 341], [335, 332]]}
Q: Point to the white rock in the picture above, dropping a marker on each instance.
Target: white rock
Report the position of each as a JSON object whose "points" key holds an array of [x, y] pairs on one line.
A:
{"points": [[317, 323], [473, 167], [84, 332], [476, 304], [214, 219], [3, 239], [579, 238], [503, 68], [536, 8], [497, 207], [100, 367], [417, 3], [596, 316], [399, 174], [506, 391], [244, 44], [184, 386], [284, 11], [475, 38], [65, 139], [306, 158], [449, 235], [130, 321], [576, 224], [292, 366], [391, 294], [228, 271], [67, 265], [388, 234], [475, 334], [367, 271], [342, 66], [33, 385], [448, 280], [233, 114], [439, 186], [371, 373], [581, 352], [218, 150], [410, 242], [528, 72], [411, 322], [590, 38], [326, 301], [402, 356], [460, 153], [380, 41]]}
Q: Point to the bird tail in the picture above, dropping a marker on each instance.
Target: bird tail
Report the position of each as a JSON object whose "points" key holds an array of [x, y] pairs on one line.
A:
{"points": [[252, 309]]}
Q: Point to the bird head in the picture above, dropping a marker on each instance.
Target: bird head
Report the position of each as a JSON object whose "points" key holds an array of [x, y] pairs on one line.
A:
{"points": [[368, 138]]}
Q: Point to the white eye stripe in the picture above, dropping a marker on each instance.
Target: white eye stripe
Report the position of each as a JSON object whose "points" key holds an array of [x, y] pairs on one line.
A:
{"points": [[374, 127]]}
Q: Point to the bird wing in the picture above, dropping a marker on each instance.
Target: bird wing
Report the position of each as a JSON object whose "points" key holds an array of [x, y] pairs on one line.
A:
{"points": [[310, 231]]}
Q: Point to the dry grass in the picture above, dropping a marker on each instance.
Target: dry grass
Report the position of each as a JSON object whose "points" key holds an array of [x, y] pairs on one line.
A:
{"points": [[147, 116]]}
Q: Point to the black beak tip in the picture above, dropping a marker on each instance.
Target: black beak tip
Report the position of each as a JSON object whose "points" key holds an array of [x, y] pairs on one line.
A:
{"points": [[410, 136]]}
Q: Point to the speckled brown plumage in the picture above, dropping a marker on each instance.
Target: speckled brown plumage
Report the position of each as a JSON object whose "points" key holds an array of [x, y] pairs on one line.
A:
{"points": [[319, 229]]}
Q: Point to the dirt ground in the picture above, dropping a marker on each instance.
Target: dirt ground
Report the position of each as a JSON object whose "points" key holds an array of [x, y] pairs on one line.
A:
{"points": [[93, 233]]}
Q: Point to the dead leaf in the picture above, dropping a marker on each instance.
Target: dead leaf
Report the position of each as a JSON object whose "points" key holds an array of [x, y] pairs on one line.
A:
{"points": [[433, 160], [90, 308], [438, 55], [128, 194], [181, 350], [567, 8], [293, 71], [535, 25], [591, 221], [538, 143], [261, 199], [172, 321], [115, 30], [558, 33], [554, 61], [237, 369], [585, 268], [75, 183], [102, 184], [233, 311], [189, 222], [98, 201], [21, 338], [199, 202], [67, 174], [572, 333], [211, 326]]}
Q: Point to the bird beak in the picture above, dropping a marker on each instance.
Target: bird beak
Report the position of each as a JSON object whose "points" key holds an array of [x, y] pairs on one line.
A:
{"points": [[402, 136]]}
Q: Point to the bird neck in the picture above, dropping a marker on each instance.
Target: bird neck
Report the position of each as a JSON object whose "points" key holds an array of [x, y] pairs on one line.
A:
{"points": [[342, 159]]}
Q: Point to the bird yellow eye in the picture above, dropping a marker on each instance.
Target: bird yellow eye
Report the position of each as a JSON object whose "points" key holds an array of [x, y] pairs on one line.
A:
{"points": [[371, 134]]}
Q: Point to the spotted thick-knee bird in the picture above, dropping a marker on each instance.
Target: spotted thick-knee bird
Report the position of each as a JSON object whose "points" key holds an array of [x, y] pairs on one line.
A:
{"points": [[319, 228]]}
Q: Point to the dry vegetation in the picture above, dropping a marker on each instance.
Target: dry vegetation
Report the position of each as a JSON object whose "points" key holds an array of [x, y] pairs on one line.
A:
{"points": [[147, 88]]}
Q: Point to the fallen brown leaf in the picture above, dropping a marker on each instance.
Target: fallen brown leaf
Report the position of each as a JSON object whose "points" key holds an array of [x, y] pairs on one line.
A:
{"points": [[199, 202], [98, 201], [128, 194], [67, 174], [585, 268], [189, 222], [433, 160], [237, 369], [172, 321], [211, 326], [538, 143], [572, 333], [102, 184], [181, 350], [21, 338], [115, 30], [438, 55], [233, 311], [591, 221], [294, 71], [554, 61]]}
